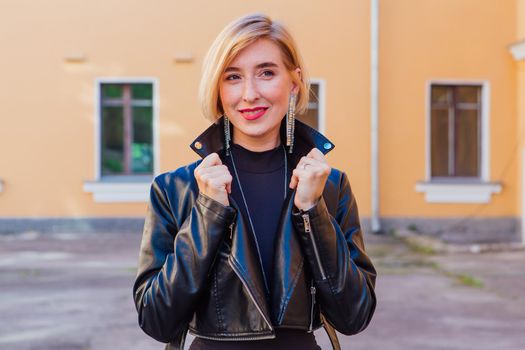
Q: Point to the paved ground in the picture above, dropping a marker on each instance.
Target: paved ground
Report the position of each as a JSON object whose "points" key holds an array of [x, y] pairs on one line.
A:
{"points": [[73, 292]]}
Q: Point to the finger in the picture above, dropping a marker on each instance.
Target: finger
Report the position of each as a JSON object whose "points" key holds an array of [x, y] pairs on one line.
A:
{"points": [[317, 155], [310, 164], [219, 182], [301, 162], [218, 169], [229, 187], [293, 182], [301, 174], [207, 175], [210, 160], [214, 170]]}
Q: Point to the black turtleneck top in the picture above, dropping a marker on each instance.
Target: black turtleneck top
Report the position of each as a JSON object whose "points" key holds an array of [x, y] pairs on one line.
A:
{"points": [[262, 177], [264, 185]]}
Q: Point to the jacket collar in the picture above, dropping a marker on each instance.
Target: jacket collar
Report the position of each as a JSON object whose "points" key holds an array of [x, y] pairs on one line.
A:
{"points": [[306, 138]]}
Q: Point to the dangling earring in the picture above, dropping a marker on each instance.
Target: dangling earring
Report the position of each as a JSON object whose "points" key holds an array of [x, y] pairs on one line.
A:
{"points": [[227, 135], [290, 122]]}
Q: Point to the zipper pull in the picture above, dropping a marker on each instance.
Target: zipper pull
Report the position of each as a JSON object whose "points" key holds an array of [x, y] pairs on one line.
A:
{"points": [[231, 225], [312, 292], [306, 221]]}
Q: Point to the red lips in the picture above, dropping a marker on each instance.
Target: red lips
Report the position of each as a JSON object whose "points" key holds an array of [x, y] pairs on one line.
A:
{"points": [[253, 113]]}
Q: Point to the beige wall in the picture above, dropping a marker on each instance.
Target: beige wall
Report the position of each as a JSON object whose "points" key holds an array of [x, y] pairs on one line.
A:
{"points": [[47, 134], [48, 144], [443, 39]]}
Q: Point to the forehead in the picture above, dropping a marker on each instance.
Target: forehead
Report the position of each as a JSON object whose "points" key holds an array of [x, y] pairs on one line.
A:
{"points": [[260, 51]]}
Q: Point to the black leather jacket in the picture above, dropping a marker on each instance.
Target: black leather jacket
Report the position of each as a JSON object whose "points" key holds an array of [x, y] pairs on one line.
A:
{"points": [[199, 269]]}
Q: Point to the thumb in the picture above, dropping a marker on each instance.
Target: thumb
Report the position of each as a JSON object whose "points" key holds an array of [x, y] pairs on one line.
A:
{"points": [[293, 182]]}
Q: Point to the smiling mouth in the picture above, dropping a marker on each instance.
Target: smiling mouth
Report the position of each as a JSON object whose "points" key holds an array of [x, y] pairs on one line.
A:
{"points": [[253, 113]]}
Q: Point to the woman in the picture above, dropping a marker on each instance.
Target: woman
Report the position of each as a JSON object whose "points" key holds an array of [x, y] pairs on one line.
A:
{"points": [[259, 243]]}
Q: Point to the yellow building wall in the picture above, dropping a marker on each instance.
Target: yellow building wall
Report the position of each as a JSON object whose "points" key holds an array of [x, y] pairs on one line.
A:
{"points": [[443, 39], [47, 141]]}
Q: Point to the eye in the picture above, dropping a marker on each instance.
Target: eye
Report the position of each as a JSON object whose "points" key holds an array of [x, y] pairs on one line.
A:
{"points": [[232, 77], [268, 73]]}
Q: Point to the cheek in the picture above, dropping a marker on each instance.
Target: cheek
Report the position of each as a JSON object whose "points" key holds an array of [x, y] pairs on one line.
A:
{"points": [[228, 95], [280, 98], [277, 93]]}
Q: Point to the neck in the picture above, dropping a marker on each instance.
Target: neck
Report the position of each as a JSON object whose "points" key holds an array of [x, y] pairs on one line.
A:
{"points": [[258, 144]]}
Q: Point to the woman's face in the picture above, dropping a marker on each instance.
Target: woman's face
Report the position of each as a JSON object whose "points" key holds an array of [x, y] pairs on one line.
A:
{"points": [[254, 90]]}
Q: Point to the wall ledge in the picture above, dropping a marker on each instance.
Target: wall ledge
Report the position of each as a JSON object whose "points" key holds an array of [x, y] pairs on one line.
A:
{"points": [[118, 192], [449, 192]]}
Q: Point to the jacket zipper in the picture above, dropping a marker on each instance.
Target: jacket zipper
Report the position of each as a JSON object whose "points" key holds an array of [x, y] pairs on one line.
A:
{"points": [[232, 265], [308, 229], [255, 337], [312, 292]]}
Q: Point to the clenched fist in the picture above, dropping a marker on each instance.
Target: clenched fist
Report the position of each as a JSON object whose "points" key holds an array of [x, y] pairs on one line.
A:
{"points": [[214, 179], [310, 178]]}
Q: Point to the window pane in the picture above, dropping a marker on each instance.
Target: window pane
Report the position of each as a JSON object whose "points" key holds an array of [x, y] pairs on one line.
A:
{"points": [[440, 94], [314, 93], [111, 90], [467, 94], [311, 115], [466, 143], [112, 141], [142, 148], [142, 91], [439, 142]]}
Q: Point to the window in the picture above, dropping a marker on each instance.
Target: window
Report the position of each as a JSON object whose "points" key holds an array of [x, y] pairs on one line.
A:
{"points": [[126, 122], [455, 130], [311, 116], [458, 135], [126, 142]]}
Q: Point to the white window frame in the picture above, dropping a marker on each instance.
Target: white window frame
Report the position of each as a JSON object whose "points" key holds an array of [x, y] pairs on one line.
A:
{"points": [[128, 189], [460, 190], [321, 122]]}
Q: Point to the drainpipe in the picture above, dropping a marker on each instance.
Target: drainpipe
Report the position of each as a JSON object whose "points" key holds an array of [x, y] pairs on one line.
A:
{"points": [[523, 199], [374, 112]]}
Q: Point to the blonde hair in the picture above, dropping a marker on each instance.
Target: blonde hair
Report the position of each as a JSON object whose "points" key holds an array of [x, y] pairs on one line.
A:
{"points": [[231, 40]]}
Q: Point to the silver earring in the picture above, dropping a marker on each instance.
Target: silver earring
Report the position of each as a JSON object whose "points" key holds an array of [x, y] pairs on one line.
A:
{"points": [[290, 122], [227, 135]]}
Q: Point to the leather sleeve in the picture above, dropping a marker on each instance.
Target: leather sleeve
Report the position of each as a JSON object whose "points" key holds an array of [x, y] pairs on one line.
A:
{"points": [[343, 273], [175, 260]]}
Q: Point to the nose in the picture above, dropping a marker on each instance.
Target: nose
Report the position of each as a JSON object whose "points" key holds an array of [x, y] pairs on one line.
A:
{"points": [[250, 92]]}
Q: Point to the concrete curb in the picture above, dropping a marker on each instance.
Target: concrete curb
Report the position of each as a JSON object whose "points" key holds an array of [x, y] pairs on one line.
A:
{"points": [[430, 245]]}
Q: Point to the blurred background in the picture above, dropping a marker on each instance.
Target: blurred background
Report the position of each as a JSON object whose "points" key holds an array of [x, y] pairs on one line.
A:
{"points": [[424, 100]]}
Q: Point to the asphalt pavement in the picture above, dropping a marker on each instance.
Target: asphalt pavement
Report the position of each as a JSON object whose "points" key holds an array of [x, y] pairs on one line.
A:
{"points": [[74, 292]]}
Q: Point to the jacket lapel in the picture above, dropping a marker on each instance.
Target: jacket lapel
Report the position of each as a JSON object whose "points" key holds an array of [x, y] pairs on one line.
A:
{"points": [[245, 262], [287, 262]]}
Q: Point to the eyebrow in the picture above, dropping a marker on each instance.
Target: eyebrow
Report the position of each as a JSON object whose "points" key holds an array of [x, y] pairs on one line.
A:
{"points": [[260, 65]]}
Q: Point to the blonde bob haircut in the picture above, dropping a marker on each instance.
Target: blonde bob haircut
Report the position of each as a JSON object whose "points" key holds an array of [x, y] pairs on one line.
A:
{"points": [[231, 40]]}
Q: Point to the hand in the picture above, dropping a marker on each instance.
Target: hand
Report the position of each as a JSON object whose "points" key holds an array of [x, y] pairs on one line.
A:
{"points": [[214, 179], [310, 178]]}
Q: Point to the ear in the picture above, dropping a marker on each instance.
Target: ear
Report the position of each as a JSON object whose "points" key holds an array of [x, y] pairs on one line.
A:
{"points": [[298, 77]]}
